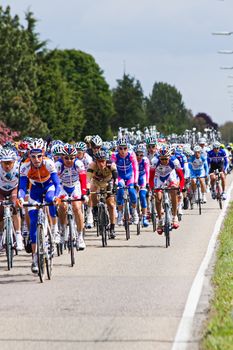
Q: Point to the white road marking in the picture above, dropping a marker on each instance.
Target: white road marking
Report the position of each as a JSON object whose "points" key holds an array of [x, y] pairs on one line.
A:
{"points": [[184, 330]]}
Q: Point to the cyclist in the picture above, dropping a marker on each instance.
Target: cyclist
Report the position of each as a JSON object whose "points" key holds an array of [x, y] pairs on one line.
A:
{"points": [[72, 175], [127, 167], [143, 180], [9, 177], [102, 174], [217, 159], [41, 173], [86, 159], [198, 168], [96, 144], [166, 170], [151, 145]]}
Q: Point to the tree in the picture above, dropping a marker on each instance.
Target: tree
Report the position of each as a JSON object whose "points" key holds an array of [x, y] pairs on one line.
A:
{"points": [[227, 132], [57, 104], [202, 121], [85, 78], [166, 110], [129, 103], [18, 72]]}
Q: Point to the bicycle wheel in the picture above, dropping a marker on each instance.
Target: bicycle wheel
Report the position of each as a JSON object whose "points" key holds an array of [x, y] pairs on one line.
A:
{"points": [[139, 217], [49, 256], [102, 225], [9, 244], [153, 215], [41, 252], [219, 197], [126, 219], [167, 225], [71, 241], [199, 199]]}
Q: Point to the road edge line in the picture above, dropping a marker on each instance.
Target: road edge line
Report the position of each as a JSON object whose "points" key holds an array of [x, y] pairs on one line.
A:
{"points": [[182, 338]]}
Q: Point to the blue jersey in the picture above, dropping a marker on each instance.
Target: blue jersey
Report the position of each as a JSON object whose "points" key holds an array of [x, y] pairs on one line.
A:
{"points": [[217, 160]]}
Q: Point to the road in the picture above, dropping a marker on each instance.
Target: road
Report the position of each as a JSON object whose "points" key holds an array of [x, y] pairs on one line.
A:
{"points": [[129, 295]]}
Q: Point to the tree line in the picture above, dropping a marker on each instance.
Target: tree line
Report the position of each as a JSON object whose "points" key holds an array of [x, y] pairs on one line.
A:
{"points": [[63, 93]]}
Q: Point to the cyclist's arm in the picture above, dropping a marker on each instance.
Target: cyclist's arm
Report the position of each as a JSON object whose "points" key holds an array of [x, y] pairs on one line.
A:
{"points": [[56, 181], [135, 166], [83, 181], [147, 169], [23, 185], [180, 174]]}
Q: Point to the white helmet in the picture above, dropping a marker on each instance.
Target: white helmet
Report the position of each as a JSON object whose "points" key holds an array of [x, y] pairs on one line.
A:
{"points": [[37, 145], [216, 144], [197, 149], [96, 141], [202, 141], [7, 154]]}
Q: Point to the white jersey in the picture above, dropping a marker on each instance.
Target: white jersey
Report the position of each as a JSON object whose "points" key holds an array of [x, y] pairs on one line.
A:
{"points": [[70, 176], [9, 180], [86, 160]]}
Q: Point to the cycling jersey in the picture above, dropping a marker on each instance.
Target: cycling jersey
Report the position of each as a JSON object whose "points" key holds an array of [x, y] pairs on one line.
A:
{"points": [[9, 180], [217, 160], [72, 178], [198, 166], [144, 171], [86, 160], [127, 167], [100, 176]]}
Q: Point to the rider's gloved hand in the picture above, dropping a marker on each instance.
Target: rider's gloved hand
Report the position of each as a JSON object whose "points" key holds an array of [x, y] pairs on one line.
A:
{"points": [[19, 202], [84, 198], [56, 200], [137, 187]]}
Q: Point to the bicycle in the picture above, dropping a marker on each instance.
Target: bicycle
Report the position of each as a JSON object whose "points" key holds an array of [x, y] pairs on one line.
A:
{"points": [[153, 211], [166, 204], [139, 214], [199, 201], [218, 188], [8, 232], [44, 241], [102, 218], [72, 229], [126, 212]]}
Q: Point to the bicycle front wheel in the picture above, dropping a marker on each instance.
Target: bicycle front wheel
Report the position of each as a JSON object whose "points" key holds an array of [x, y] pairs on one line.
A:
{"points": [[153, 214], [49, 256], [71, 241], [102, 221], [167, 225], [41, 252], [199, 199], [9, 244], [139, 217], [126, 220]]}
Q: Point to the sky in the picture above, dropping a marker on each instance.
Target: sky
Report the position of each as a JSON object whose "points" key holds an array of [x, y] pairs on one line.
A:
{"points": [[168, 41]]}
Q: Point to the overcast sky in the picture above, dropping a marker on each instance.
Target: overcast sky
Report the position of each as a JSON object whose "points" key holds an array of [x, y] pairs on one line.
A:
{"points": [[154, 40]]}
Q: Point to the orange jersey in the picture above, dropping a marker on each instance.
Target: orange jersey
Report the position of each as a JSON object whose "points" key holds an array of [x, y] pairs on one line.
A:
{"points": [[38, 175]]}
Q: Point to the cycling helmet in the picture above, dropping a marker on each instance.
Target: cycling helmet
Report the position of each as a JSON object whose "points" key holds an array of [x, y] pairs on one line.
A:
{"points": [[229, 147], [23, 146], [202, 141], [36, 146], [222, 146], [88, 138], [197, 149], [9, 144], [106, 145], [122, 142], [151, 141], [57, 150], [216, 144], [80, 146], [7, 155], [69, 150], [96, 141], [102, 155], [165, 151], [113, 144], [140, 148], [179, 149]]}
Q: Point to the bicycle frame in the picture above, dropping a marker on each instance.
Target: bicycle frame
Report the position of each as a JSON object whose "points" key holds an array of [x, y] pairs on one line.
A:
{"points": [[8, 232]]}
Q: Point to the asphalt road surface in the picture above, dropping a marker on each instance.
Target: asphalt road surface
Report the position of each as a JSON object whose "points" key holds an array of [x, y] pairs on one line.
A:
{"points": [[129, 295]]}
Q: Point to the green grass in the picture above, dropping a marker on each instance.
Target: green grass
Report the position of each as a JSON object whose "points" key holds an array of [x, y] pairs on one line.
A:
{"points": [[218, 334]]}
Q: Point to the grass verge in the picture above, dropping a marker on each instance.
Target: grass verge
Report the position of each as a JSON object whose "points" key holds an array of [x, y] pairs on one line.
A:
{"points": [[218, 334]]}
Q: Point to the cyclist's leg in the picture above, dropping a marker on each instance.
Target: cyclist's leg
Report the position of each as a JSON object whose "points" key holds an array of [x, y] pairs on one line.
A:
{"points": [[16, 221], [133, 199], [111, 203], [120, 200], [143, 199], [49, 195]]}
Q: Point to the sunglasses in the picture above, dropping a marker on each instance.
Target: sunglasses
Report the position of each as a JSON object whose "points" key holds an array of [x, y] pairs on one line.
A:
{"points": [[96, 147], [34, 156], [69, 158], [163, 158], [123, 148], [140, 155], [152, 146]]}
